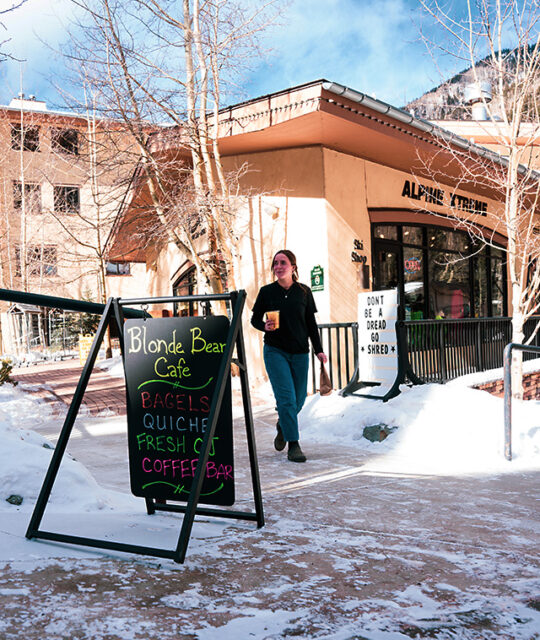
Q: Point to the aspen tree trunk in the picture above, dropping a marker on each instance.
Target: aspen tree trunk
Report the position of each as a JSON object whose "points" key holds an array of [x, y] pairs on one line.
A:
{"points": [[508, 31], [199, 144], [23, 249]]}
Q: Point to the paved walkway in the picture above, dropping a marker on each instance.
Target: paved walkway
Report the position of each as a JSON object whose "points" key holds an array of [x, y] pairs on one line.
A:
{"points": [[347, 553], [59, 380]]}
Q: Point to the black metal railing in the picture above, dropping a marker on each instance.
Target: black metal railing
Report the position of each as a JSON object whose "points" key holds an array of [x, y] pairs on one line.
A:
{"points": [[441, 350], [54, 338], [340, 343]]}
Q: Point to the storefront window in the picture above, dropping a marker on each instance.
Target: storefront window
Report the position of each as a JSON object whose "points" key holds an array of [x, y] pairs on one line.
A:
{"points": [[497, 287], [449, 285], [463, 278], [412, 235], [386, 275], [480, 286], [442, 239], [413, 272], [386, 232]]}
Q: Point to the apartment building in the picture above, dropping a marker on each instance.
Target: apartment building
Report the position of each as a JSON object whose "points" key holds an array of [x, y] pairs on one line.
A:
{"points": [[61, 181]]}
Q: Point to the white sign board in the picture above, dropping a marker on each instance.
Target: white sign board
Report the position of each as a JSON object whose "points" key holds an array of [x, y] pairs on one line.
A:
{"points": [[377, 342]]}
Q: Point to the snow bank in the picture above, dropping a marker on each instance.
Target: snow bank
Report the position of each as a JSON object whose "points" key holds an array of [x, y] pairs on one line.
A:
{"points": [[26, 456], [441, 429]]}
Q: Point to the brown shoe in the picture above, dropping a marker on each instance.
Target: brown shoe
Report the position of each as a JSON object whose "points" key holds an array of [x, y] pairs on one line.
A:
{"points": [[295, 454]]}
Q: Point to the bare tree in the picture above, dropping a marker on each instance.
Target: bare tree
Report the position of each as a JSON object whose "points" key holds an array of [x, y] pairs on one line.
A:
{"points": [[505, 34], [21, 195], [15, 5], [163, 70]]}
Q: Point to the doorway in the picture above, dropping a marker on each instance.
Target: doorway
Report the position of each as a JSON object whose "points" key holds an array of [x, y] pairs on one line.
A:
{"points": [[385, 266]]}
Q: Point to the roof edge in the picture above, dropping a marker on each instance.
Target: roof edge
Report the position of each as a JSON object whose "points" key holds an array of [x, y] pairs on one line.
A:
{"points": [[425, 126]]}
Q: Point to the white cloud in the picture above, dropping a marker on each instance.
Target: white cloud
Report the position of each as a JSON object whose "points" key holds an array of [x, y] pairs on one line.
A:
{"points": [[33, 33], [371, 47]]}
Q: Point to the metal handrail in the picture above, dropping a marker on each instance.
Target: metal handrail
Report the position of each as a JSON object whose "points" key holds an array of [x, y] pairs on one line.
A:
{"points": [[67, 304], [508, 392], [438, 350]]}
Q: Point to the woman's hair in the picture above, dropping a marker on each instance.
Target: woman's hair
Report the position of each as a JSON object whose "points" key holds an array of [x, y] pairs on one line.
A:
{"points": [[292, 259]]}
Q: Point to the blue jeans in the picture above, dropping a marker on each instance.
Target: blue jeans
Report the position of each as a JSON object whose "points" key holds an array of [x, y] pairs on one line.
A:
{"points": [[288, 376]]}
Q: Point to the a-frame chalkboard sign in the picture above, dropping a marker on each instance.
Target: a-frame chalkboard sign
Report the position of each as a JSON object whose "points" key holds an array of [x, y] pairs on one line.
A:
{"points": [[179, 417]]}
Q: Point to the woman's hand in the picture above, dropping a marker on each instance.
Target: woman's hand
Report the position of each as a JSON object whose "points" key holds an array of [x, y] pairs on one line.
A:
{"points": [[322, 357], [270, 325]]}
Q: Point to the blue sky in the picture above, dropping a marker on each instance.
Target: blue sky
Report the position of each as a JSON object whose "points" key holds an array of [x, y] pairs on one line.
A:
{"points": [[373, 47]]}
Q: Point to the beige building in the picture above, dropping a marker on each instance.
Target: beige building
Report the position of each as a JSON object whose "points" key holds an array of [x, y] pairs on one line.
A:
{"points": [[365, 194], [491, 134], [58, 196]]}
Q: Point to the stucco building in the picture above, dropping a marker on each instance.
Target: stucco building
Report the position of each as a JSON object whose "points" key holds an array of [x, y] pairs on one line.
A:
{"points": [[365, 194], [58, 197]]}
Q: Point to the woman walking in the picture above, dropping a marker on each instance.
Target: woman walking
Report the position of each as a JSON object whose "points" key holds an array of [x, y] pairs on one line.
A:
{"points": [[289, 326]]}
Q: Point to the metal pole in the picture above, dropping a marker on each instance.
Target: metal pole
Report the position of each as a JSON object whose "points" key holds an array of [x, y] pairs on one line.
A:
{"points": [[507, 355], [507, 358], [198, 477], [248, 419], [67, 304]]}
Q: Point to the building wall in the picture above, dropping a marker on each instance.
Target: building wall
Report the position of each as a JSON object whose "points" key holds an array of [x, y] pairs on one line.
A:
{"points": [[283, 207], [348, 230], [491, 135], [286, 210], [385, 189], [319, 203], [71, 236]]}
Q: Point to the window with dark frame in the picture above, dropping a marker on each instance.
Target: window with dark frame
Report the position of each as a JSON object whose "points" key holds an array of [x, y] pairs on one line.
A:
{"points": [[185, 286], [65, 141], [118, 268], [32, 196], [18, 270], [67, 200], [41, 260], [24, 137], [447, 272]]}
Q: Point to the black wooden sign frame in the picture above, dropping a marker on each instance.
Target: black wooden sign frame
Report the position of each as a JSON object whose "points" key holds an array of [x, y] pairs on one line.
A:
{"points": [[113, 312]]}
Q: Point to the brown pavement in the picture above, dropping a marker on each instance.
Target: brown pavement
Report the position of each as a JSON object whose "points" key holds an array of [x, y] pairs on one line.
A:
{"points": [[103, 393]]}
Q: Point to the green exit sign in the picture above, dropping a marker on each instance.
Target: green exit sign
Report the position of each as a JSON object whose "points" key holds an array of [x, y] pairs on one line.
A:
{"points": [[317, 278]]}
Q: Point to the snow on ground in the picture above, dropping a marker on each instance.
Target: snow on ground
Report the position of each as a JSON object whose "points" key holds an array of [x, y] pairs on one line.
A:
{"points": [[450, 428], [26, 456], [441, 429], [445, 431], [114, 366]]}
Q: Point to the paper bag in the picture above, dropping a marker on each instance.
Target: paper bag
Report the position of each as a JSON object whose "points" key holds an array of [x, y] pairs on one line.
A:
{"points": [[325, 386]]}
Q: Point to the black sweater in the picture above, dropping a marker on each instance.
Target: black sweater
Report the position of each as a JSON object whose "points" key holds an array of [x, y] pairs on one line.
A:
{"points": [[297, 321]]}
